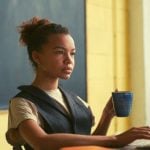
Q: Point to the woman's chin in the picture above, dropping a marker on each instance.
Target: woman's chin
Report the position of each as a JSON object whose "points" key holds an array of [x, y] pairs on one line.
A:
{"points": [[66, 77]]}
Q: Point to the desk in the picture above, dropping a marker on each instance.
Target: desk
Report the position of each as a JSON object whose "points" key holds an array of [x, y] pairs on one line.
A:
{"points": [[145, 145], [130, 147], [85, 148]]}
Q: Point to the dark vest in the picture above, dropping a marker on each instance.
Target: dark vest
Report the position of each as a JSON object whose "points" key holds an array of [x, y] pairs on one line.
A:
{"points": [[56, 119]]}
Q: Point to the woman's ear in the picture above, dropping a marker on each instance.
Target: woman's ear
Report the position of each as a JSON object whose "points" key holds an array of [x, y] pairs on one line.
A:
{"points": [[35, 57]]}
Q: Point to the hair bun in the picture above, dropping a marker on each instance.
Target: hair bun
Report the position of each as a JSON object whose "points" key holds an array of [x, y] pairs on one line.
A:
{"points": [[38, 21], [27, 28]]}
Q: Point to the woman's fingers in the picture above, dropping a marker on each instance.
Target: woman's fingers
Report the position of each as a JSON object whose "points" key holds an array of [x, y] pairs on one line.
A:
{"points": [[133, 134]]}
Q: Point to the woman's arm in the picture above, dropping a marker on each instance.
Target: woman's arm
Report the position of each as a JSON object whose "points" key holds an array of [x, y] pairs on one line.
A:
{"points": [[34, 135], [107, 115]]}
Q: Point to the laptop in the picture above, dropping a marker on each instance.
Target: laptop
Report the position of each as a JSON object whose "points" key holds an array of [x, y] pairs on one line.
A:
{"points": [[141, 144]]}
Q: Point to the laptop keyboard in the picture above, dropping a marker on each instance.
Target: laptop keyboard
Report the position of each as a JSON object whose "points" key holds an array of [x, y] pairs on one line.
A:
{"points": [[141, 144]]}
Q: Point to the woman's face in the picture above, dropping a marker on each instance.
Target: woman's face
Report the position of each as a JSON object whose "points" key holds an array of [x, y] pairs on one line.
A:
{"points": [[56, 59]]}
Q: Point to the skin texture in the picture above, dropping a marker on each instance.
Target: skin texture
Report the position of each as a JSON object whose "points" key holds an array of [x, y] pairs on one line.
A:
{"points": [[56, 60]]}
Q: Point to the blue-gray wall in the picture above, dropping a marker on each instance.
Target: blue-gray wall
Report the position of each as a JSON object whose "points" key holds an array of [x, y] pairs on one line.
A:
{"points": [[15, 68]]}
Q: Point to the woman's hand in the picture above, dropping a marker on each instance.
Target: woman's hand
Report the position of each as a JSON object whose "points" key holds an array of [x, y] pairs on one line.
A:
{"points": [[131, 135], [109, 108], [109, 111], [107, 115]]}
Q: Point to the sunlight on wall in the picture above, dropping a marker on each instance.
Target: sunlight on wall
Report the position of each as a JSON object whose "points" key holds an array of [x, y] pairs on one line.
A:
{"points": [[146, 27], [140, 54]]}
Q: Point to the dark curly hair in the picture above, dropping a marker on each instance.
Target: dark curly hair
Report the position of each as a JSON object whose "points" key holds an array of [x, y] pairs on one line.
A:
{"points": [[35, 32]]}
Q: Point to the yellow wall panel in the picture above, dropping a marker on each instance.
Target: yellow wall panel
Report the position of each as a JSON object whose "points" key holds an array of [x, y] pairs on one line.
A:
{"points": [[107, 54], [121, 21], [3, 128], [97, 16], [98, 63], [100, 3], [137, 68], [103, 38], [121, 4]]}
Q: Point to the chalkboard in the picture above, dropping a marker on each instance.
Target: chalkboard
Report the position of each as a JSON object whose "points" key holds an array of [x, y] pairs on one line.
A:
{"points": [[15, 68]]}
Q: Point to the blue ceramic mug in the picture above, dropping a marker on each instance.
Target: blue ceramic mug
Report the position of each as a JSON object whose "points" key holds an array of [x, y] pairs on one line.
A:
{"points": [[122, 102]]}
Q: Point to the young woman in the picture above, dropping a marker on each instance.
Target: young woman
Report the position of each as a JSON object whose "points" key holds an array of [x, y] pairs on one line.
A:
{"points": [[44, 116]]}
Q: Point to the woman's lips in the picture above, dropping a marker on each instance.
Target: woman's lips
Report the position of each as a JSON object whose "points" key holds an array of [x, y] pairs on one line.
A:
{"points": [[67, 70]]}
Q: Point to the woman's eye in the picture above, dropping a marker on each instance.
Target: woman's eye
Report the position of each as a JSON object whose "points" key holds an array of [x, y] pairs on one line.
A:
{"points": [[59, 52], [73, 53]]}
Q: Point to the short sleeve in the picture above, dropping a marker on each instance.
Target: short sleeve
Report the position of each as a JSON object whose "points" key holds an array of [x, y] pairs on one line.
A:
{"points": [[20, 110]]}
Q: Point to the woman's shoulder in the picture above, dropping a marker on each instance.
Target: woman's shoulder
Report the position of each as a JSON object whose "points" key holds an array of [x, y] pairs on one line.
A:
{"points": [[21, 109], [22, 102]]}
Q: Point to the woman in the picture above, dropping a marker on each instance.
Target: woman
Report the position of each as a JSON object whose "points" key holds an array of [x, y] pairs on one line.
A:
{"points": [[44, 116]]}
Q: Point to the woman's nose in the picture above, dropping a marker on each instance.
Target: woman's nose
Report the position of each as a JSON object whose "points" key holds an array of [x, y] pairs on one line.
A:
{"points": [[68, 58]]}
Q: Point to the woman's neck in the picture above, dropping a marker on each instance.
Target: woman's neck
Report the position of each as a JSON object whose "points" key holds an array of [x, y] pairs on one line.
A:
{"points": [[45, 83]]}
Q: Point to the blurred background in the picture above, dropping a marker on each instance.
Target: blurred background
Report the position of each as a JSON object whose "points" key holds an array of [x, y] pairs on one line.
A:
{"points": [[112, 40]]}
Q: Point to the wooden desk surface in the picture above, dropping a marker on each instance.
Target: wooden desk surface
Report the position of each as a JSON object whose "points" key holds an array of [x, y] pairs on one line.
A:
{"points": [[85, 148], [130, 147], [136, 145]]}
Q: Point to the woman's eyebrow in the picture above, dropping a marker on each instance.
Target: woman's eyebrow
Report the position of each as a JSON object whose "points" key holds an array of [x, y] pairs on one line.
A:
{"points": [[61, 47]]}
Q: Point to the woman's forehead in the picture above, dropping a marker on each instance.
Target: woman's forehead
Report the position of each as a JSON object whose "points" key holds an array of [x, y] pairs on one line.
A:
{"points": [[60, 40]]}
